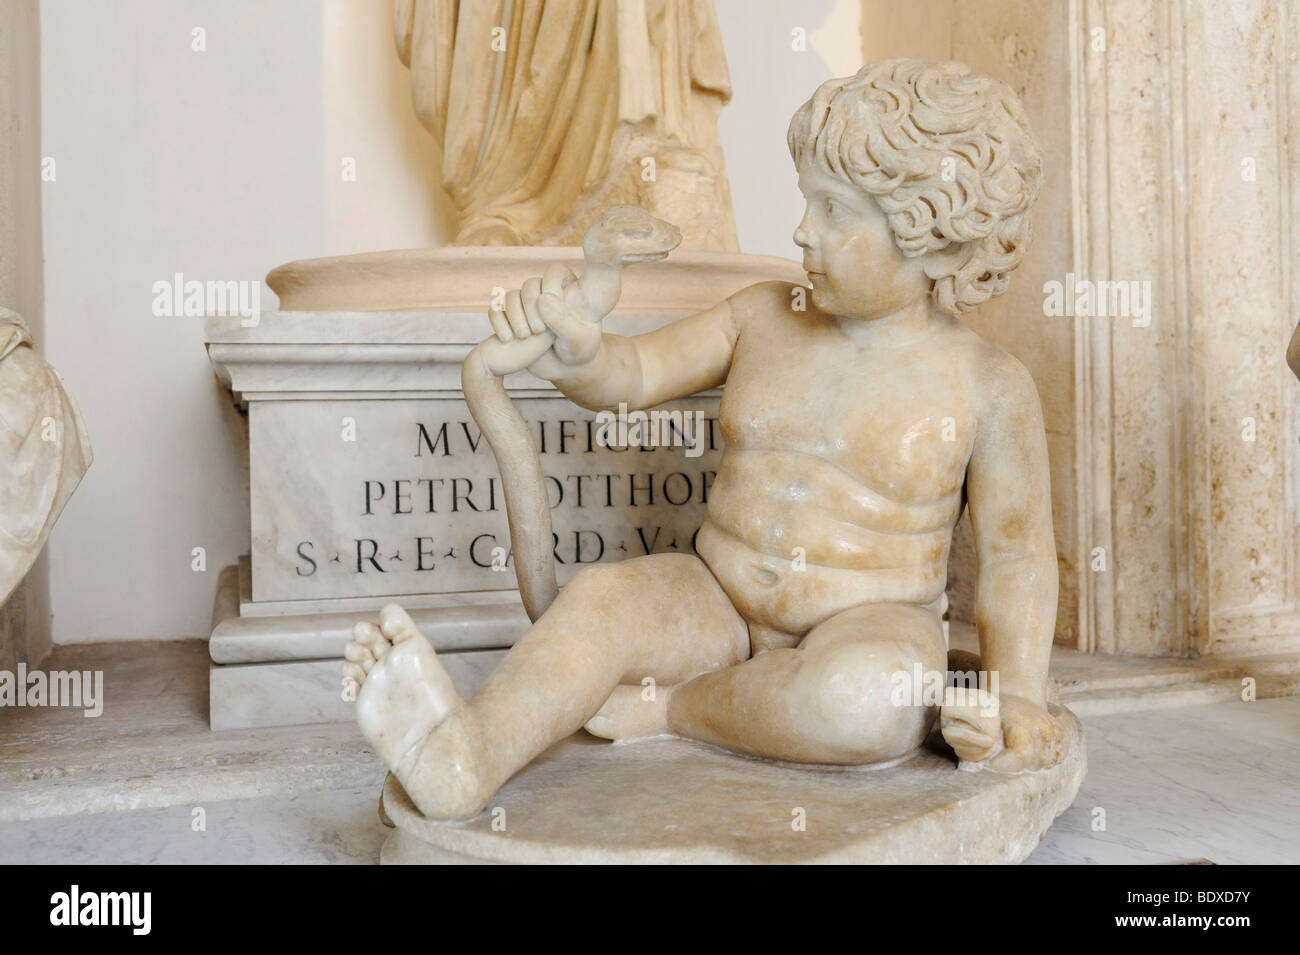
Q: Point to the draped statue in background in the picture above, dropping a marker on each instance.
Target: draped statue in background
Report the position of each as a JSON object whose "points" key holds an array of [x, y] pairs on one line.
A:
{"points": [[549, 111], [44, 450]]}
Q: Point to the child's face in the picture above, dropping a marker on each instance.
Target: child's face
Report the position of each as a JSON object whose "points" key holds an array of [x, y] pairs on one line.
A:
{"points": [[855, 269]]}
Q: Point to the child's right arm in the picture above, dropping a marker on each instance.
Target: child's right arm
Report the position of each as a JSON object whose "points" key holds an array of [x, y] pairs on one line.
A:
{"points": [[601, 370]]}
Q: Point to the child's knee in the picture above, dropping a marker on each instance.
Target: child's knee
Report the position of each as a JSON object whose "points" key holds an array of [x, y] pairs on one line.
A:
{"points": [[849, 685]]}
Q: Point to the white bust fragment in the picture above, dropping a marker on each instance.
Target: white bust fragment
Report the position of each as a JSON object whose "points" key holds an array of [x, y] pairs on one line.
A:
{"points": [[44, 450]]}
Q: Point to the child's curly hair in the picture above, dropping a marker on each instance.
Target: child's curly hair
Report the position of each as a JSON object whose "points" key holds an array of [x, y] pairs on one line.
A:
{"points": [[948, 155]]}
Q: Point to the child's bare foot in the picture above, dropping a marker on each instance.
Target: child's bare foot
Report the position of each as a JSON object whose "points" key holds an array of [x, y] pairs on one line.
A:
{"points": [[404, 690], [632, 712], [404, 709]]}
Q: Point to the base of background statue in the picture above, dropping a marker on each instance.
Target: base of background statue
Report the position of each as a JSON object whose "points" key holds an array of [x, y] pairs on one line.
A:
{"points": [[672, 801]]}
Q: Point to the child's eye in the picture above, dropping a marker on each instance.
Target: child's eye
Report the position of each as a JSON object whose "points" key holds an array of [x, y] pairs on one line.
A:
{"points": [[831, 207]]}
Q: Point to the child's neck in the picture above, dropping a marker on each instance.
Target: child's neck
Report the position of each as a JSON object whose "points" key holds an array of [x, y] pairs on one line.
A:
{"points": [[909, 323]]}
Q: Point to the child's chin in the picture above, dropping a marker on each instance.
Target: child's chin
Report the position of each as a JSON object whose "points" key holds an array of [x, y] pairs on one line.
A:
{"points": [[824, 301]]}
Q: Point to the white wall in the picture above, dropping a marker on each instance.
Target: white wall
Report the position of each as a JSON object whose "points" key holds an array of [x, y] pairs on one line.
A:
{"points": [[226, 163], [396, 200], [168, 160], [25, 616], [770, 81]]}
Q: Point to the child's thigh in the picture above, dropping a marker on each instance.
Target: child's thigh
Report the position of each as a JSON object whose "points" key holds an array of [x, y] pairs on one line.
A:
{"points": [[666, 612]]}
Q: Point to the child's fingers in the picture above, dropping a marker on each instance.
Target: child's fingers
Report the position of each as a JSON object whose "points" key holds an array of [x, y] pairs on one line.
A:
{"points": [[528, 293], [973, 734], [515, 314], [556, 278], [500, 325]]}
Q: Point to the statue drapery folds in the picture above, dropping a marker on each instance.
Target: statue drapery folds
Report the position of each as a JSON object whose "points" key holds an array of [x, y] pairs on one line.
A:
{"points": [[548, 111]]}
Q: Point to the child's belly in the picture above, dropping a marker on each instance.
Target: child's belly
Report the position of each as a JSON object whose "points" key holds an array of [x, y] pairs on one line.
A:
{"points": [[769, 591]]}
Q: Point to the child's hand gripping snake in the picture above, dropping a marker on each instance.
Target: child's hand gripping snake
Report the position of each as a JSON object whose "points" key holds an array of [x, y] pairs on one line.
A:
{"points": [[622, 235]]}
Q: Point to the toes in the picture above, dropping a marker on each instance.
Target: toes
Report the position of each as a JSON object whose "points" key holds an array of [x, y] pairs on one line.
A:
{"points": [[354, 672], [369, 636], [601, 726], [627, 715], [358, 653], [397, 624], [366, 648]]}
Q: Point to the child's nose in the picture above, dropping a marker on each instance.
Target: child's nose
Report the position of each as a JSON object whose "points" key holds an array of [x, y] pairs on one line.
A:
{"points": [[803, 235]]}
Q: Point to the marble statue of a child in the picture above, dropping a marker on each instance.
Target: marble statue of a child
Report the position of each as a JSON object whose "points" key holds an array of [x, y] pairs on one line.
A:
{"points": [[857, 425]]}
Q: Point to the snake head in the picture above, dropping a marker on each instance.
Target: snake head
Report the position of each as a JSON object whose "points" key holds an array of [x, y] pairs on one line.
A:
{"points": [[625, 234]]}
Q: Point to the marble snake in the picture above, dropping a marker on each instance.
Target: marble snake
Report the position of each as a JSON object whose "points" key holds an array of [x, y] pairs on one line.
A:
{"points": [[620, 236]]}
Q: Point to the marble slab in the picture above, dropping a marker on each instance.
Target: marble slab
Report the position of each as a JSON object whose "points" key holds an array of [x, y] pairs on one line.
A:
{"points": [[332, 827], [587, 801], [247, 607], [288, 694], [285, 670], [1210, 782], [1216, 782], [321, 629], [152, 746]]}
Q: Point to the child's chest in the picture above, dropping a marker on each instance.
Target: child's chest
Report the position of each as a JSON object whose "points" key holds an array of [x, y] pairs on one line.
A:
{"points": [[899, 420]]}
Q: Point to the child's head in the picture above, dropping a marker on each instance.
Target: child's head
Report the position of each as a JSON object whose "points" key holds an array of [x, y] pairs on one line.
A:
{"points": [[945, 155]]}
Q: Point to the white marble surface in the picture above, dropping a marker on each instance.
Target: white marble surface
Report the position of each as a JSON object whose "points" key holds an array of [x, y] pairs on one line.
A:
{"points": [[1093, 684], [409, 500], [290, 694], [151, 746], [679, 802], [314, 827], [1216, 782], [473, 620], [249, 609]]}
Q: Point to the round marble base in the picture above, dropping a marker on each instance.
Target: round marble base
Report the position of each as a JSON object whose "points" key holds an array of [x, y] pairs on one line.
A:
{"points": [[461, 278], [672, 801]]}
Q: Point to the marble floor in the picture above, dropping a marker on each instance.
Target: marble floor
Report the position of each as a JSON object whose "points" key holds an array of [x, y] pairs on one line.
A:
{"points": [[1217, 782], [148, 782]]}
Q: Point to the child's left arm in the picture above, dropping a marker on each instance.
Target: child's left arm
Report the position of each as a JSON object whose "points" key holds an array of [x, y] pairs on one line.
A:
{"points": [[1008, 486]]}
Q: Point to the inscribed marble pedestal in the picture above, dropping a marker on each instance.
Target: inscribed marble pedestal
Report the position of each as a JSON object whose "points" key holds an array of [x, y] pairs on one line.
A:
{"points": [[369, 480]]}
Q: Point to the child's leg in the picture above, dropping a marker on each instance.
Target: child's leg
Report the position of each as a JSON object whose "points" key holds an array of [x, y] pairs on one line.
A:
{"points": [[662, 616], [831, 700]]}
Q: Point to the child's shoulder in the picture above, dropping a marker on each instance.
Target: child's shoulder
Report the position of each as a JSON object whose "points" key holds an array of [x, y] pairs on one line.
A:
{"points": [[763, 298], [994, 373]]}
